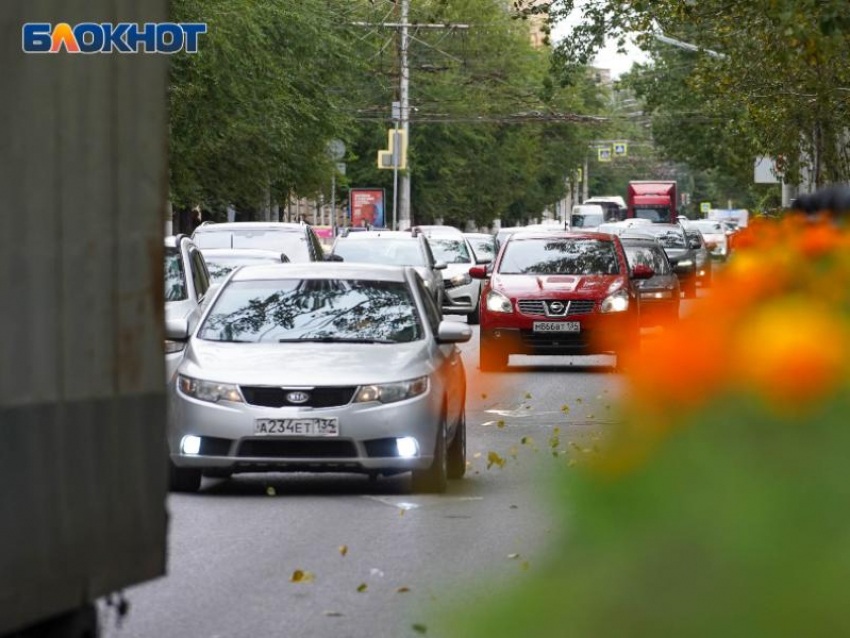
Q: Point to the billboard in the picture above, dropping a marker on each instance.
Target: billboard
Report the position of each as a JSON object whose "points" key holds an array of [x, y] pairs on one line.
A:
{"points": [[367, 207]]}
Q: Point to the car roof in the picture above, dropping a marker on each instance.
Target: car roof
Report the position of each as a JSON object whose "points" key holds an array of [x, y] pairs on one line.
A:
{"points": [[240, 252], [479, 235], [561, 235], [440, 229], [235, 226], [639, 239], [380, 234], [321, 270]]}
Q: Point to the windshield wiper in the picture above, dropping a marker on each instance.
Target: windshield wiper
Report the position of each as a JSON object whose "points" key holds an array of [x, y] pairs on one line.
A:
{"points": [[336, 340]]}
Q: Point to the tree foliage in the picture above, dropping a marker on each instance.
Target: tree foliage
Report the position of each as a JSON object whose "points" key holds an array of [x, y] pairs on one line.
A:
{"points": [[780, 85], [252, 112]]}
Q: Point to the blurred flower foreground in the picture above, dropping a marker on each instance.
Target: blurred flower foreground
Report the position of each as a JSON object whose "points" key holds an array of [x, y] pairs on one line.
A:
{"points": [[722, 506]]}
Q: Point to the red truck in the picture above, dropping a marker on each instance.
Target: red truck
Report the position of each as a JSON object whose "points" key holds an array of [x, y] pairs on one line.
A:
{"points": [[655, 201]]}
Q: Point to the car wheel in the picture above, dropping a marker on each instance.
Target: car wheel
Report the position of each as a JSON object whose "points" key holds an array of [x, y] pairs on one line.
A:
{"points": [[474, 317], [457, 450], [492, 358], [434, 479], [183, 479]]}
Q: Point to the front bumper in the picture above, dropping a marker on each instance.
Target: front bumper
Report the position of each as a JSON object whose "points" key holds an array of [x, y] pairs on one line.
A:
{"points": [[461, 300], [600, 334], [366, 441]]}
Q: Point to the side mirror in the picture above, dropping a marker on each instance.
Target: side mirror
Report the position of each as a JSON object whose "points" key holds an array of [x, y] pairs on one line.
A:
{"points": [[440, 265], [334, 257], [453, 332], [284, 259], [642, 271], [177, 329], [695, 244], [478, 272]]}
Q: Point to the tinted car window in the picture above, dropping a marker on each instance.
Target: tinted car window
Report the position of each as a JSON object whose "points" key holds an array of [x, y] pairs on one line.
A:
{"points": [[175, 278], [652, 214], [669, 237], [450, 251], [651, 256], [560, 257], [199, 274], [292, 243], [390, 251], [313, 310], [483, 248]]}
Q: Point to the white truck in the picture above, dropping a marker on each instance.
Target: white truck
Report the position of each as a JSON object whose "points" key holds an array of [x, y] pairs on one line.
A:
{"points": [[83, 457]]}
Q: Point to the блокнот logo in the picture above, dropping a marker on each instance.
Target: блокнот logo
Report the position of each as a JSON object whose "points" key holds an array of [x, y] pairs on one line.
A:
{"points": [[108, 37]]}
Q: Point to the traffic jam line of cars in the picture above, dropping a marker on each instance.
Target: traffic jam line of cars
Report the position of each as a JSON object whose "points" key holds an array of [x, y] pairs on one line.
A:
{"points": [[256, 311]]}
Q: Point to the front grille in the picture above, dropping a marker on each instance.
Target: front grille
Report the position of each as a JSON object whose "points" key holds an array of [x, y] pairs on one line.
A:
{"points": [[532, 307], [542, 341], [276, 397], [297, 449], [538, 307]]}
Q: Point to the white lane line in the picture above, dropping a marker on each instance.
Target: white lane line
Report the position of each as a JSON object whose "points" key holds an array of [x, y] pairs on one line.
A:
{"points": [[424, 501]]}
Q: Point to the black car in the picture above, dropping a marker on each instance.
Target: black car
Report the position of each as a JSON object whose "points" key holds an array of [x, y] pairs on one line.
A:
{"points": [[680, 252], [703, 256], [659, 295]]}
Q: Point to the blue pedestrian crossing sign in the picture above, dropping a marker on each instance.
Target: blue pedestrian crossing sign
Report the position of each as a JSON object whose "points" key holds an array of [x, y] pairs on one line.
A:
{"points": [[621, 149]]}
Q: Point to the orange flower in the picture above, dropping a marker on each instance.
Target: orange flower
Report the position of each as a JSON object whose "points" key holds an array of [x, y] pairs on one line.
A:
{"points": [[792, 352]]}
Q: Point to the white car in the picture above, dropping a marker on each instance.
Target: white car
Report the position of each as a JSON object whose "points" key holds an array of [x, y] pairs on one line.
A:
{"points": [[187, 286]]}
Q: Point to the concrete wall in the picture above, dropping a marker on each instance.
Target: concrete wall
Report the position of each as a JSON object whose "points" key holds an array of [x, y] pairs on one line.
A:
{"points": [[83, 168]]}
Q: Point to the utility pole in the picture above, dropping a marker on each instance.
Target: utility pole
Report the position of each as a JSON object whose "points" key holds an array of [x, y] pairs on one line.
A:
{"points": [[402, 28], [404, 217]]}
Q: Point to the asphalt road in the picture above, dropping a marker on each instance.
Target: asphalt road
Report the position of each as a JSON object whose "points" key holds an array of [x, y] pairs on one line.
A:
{"points": [[235, 546]]}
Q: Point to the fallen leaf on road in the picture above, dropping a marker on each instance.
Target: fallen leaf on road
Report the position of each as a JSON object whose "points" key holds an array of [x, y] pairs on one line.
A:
{"points": [[525, 566], [554, 441], [401, 512], [579, 400], [556, 431], [514, 507], [528, 395], [494, 459], [500, 424], [513, 556], [343, 550], [300, 576], [271, 491], [419, 628], [483, 395], [402, 590], [565, 409], [362, 587], [526, 440]]}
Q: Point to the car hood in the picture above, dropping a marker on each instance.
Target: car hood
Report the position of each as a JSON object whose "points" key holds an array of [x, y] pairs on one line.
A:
{"points": [[306, 364], [676, 254], [456, 269], [547, 286], [179, 309]]}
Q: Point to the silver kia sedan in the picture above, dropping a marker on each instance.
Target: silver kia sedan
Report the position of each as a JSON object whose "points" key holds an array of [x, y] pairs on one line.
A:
{"points": [[322, 367]]}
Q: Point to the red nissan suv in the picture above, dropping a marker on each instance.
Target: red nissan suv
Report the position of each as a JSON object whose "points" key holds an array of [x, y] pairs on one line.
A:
{"points": [[558, 294]]}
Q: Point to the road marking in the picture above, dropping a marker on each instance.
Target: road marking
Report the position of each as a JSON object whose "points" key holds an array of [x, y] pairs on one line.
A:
{"points": [[423, 501]]}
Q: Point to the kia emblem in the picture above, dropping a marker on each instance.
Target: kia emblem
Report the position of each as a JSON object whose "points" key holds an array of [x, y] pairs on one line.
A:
{"points": [[297, 397]]}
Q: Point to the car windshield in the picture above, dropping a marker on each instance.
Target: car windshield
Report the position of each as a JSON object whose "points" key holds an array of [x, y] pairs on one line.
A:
{"points": [[653, 213], [324, 310], [450, 251], [292, 243], [175, 278], [221, 266], [670, 237], [389, 251], [560, 257], [583, 220], [483, 247], [711, 228], [651, 256]]}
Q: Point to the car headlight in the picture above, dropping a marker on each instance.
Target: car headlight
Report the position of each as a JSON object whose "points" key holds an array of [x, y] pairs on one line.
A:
{"points": [[618, 302], [208, 390], [461, 279], [392, 392], [685, 263], [497, 302], [174, 346]]}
